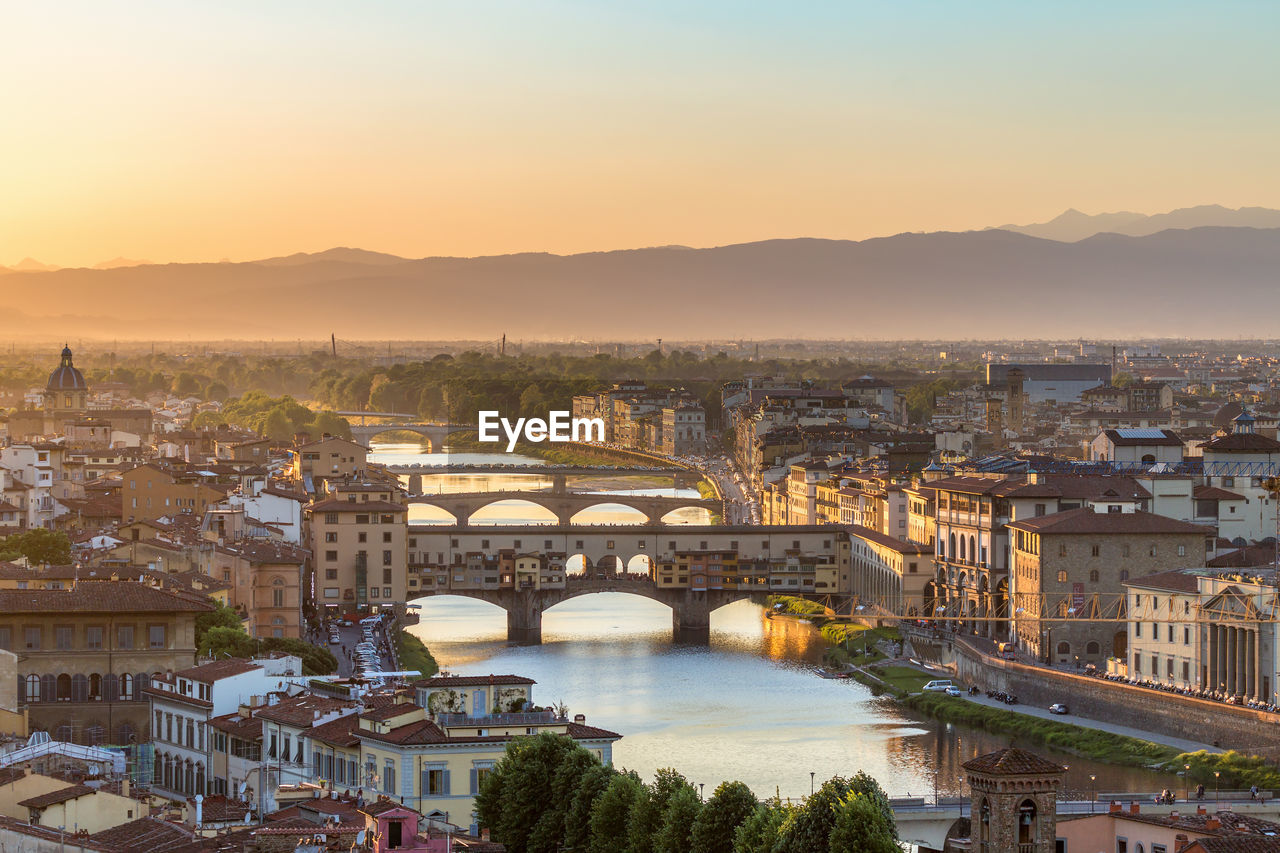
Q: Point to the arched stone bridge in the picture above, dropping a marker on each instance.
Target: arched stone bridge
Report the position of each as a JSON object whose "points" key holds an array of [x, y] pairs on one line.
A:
{"points": [[435, 434], [690, 608], [565, 505]]}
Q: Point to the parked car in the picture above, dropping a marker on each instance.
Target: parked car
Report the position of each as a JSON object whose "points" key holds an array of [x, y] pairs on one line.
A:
{"points": [[1058, 708], [938, 685], [953, 691]]}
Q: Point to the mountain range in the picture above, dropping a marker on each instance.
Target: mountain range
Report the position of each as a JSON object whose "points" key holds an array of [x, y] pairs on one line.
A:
{"points": [[1072, 225], [1205, 281]]}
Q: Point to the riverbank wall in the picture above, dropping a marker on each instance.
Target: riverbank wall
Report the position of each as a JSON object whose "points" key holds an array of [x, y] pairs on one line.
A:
{"points": [[1244, 729]]}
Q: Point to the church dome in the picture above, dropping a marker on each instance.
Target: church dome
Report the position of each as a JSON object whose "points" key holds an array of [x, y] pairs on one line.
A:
{"points": [[66, 377]]}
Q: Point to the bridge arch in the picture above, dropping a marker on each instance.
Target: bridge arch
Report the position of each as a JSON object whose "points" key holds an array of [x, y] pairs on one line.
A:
{"points": [[491, 512]]}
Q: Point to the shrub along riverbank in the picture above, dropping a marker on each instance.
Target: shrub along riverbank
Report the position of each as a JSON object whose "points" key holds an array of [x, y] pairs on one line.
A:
{"points": [[414, 655]]}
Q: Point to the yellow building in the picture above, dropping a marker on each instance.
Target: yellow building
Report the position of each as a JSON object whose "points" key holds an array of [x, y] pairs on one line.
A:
{"points": [[436, 765], [153, 490], [330, 458]]}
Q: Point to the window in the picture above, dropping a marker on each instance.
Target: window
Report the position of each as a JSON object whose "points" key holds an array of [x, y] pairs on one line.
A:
{"points": [[331, 536], [330, 518], [1186, 636], [155, 635], [331, 574], [386, 537], [386, 592], [1062, 575], [389, 777], [362, 519], [1093, 576], [93, 637], [62, 637], [386, 576], [1124, 550], [331, 556], [6, 638], [386, 558], [1040, 509], [362, 537], [31, 637], [1182, 552], [435, 780], [277, 598], [1096, 550]]}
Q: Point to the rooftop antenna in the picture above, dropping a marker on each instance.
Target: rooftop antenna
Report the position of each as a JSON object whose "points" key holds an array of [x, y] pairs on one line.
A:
{"points": [[503, 349], [333, 344]]}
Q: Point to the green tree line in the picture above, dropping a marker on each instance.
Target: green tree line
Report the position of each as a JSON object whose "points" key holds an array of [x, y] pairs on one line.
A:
{"points": [[549, 794]]}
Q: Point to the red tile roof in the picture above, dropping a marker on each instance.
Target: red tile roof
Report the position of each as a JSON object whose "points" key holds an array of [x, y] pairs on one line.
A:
{"points": [[1086, 521], [1012, 761]]}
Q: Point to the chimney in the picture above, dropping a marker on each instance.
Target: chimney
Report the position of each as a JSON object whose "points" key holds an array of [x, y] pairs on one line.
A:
{"points": [[1201, 810], [199, 810], [1213, 823], [1115, 808], [1134, 808]]}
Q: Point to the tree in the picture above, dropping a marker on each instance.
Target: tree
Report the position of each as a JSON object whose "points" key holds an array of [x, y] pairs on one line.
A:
{"points": [[220, 642], [221, 616], [860, 827], [39, 546], [650, 808], [611, 814], [730, 805], [548, 833], [760, 832], [208, 420], [577, 819], [678, 819], [808, 829], [518, 790]]}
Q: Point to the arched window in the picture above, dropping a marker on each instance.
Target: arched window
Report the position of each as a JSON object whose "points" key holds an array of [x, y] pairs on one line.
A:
{"points": [[1064, 648], [95, 688], [79, 688], [1124, 574], [1093, 576], [1027, 822], [973, 549], [33, 688], [1148, 458], [962, 548], [984, 830], [1062, 575], [48, 688], [126, 734], [952, 551], [64, 688], [126, 687], [64, 733], [95, 735], [1092, 648], [200, 782]]}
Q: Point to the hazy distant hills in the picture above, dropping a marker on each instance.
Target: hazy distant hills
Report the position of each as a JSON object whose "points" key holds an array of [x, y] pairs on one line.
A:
{"points": [[1073, 225], [1206, 281]]}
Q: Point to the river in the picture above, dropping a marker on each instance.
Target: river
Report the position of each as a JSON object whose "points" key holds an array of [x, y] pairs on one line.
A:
{"points": [[749, 706]]}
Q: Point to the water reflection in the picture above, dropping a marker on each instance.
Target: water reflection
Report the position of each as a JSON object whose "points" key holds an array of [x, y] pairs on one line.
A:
{"points": [[747, 707]]}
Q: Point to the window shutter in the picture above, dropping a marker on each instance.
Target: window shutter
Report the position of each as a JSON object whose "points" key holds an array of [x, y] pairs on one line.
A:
{"points": [[475, 785], [447, 789]]}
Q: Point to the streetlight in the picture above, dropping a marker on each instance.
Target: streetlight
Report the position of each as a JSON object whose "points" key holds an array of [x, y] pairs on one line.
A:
{"points": [[1186, 773], [811, 775], [1217, 774], [1093, 796], [701, 785]]}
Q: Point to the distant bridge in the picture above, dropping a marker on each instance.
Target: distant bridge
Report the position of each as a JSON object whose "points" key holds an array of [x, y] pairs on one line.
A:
{"points": [[415, 474], [690, 608], [435, 434], [606, 550], [565, 505]]}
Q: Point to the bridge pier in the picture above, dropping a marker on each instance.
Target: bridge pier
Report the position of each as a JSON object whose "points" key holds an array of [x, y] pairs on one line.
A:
{"points": [[691, 618], [524, 619]]}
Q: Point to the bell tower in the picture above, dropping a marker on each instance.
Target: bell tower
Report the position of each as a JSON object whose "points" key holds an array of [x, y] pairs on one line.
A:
{"points": [[1014, 798]]}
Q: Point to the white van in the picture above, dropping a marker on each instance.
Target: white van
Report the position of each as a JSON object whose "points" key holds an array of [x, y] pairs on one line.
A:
{"points": [[938, 686]]}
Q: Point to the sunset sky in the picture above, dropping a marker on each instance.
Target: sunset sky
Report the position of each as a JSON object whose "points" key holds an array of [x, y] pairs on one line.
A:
{"points": [[194, 131]]}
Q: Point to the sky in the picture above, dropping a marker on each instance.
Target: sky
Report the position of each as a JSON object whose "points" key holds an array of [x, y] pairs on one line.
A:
{"points": [[198, 131]]}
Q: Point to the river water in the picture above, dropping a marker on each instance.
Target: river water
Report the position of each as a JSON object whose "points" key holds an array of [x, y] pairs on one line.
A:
{"points": [[749, 706]]}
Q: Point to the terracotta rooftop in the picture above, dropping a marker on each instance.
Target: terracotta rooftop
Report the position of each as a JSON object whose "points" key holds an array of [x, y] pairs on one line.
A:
{"points": [[1086, 521], [1242, 442], [52, 798], [301, 710], [1012, 761], [211, 672], [150, 834], [101, 597], [1172, 581]]}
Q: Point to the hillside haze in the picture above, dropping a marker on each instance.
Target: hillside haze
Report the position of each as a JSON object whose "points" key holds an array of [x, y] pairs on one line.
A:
{"points": [[1072, 225], [941, 285]]}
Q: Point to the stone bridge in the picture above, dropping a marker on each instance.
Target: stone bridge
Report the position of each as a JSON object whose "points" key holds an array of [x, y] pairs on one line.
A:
{"points": [[415, 475], [435, 434], [565, 505], [690, 608]]}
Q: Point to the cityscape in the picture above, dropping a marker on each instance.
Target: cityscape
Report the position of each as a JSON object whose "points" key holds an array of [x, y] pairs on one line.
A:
{"points": [[640, 428]]}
